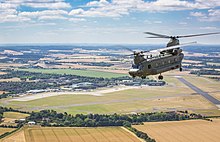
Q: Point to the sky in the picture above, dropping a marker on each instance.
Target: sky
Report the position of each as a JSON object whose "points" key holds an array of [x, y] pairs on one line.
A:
{"points": [[107, 21]]}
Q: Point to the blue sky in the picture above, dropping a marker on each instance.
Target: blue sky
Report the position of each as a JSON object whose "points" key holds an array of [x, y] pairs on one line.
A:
{"points": [[106, 21]]}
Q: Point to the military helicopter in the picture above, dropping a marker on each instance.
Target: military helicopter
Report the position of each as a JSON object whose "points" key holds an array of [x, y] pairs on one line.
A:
{"points": [[168, 58]]}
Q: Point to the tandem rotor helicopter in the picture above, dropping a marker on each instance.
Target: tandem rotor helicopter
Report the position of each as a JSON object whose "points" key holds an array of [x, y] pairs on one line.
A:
{"points": [[168, 58]]}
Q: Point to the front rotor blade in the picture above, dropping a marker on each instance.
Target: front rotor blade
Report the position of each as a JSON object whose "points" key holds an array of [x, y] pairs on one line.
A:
{"points": [[157, 35], [126, 48], [198, 35]]}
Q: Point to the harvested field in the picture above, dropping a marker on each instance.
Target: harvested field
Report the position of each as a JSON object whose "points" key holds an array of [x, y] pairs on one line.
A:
{"points": [[11, 80], [183, 131], [10, 117], [1, 73], [15, 115], [4, 130], [101, 134], [15, 137]]}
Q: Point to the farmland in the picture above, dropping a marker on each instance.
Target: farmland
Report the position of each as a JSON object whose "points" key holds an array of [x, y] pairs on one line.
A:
{"points": [[102, 134], [4, 130], [10, 117], [182, 131], [88, 73], [15, 115], [15, 137]]}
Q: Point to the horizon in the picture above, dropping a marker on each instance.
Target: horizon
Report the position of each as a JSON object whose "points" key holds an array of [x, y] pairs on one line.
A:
{"points": [[99, 44]]}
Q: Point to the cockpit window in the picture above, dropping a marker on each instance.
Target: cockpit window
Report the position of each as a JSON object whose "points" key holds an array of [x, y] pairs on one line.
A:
{"points": [[135, 66]]}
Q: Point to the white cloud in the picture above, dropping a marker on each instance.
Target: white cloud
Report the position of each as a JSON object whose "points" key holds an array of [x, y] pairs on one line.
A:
{"points": [[44, 13], [213, 15], [52, 17], [55, 5], [77, 19], [97, 3], [208, 28], [117, 8], [13, 18], [76, 12], [107, 8], [197, 14], [9, 10]]}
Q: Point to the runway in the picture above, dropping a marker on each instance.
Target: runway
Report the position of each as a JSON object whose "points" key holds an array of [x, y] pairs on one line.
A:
{"points": [[199, 91]]}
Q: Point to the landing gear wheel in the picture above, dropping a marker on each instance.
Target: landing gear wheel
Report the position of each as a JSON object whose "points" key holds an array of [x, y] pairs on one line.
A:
{"points": [[160, 77], [143, 77], [181, 69]]}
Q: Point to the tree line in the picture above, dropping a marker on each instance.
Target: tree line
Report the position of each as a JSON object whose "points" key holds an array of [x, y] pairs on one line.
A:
{"points": [[53, 118]]}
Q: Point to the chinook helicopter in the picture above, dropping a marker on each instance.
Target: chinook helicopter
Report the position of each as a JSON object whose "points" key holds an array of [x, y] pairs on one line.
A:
{"points": [[168, 58]]}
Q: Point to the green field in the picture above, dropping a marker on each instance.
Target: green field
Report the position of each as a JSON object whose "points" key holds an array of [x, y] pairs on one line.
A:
{"points": [[88, 73], [133, 100], [174, 96]]}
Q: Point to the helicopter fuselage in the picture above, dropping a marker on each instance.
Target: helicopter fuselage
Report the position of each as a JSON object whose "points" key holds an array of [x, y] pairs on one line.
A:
{"points": [[157, 65], [169, 58]]}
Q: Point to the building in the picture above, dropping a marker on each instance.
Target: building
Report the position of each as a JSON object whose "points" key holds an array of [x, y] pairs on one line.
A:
{"points": [[31, 123]]}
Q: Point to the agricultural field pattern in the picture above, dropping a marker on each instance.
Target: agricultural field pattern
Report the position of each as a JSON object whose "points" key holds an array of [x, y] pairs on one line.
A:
{"points": [[88, 80]]}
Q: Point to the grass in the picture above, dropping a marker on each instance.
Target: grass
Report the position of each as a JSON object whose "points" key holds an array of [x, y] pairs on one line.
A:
{"points": [[100, 104], [174, 96], [75, 104], [102, 134], [88, 73], [203, 83], [182, 131], [208, 112]]}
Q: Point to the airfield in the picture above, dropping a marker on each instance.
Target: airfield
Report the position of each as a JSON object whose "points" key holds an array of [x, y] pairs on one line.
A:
{"points": [[182, 91], [175, 95]]}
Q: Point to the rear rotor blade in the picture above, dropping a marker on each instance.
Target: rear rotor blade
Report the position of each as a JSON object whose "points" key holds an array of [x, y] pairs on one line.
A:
{"points": [[198, 35], [174, 47]]}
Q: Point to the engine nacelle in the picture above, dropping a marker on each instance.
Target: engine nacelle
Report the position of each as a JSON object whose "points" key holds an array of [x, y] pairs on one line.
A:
{"points": [[177, 51]]}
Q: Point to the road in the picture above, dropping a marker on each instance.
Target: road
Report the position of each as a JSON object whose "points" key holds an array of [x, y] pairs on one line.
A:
{"points": [[199, 91]]}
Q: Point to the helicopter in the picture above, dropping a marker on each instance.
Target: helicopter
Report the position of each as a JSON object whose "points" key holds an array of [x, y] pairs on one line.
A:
{"points": [[169, 58]]}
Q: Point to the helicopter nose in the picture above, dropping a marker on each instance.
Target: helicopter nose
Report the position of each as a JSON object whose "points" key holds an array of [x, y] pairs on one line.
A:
{"points": [[133, 72]]}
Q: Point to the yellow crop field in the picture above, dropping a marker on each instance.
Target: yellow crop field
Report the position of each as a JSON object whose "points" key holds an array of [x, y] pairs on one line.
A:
{"points": [[15, 115], [67, 134], [4, 130], [183, 131], [15, 137]]}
